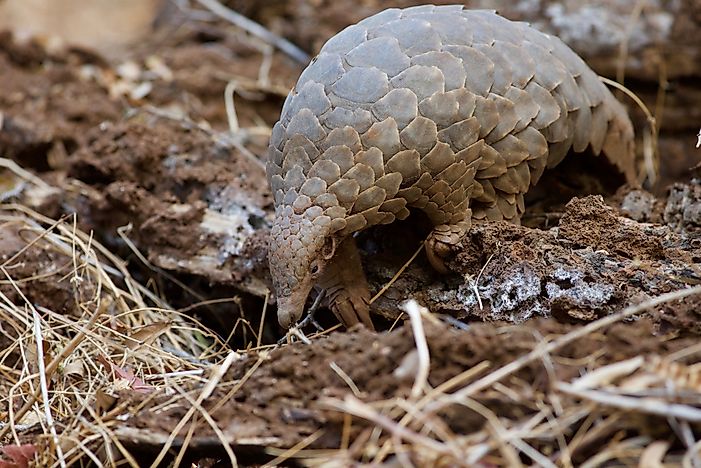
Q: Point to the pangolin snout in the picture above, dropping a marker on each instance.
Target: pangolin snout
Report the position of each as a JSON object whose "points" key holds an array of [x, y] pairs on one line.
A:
{"points": [[290, 308]]}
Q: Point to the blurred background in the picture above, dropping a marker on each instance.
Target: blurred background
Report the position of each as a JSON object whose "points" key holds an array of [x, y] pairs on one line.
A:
{"points": [[650, 45]]}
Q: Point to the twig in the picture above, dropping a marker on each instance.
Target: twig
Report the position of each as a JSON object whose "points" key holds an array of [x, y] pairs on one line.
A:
{"points": [[110, 440], [208, 302], [123, 233], [76, 336], [432, 395], [215, 428], [649, 156], [44, 386], [230, 107], [265, 64], [684, 353], [415, 311], [346, 378], [609, 453], [262, 319], [650, 149], [256, 29], [44, 233], [357, 408], [51, 368], [454, 322], [23, 173], [662, 87], [645, 405], [475, 283], [186, 442], [346, 431], [606, 374], [692, 454], [623, 47], [295, 331], [396, 276], [691, 457], [230, 394], [292, 451], [529, 451]]}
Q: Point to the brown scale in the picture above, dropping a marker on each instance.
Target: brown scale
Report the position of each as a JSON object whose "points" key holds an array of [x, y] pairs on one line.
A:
{"points": [[453, 112]]}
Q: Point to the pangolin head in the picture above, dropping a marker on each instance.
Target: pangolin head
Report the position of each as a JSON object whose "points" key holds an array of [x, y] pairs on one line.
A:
{"points": [[300, 247]]}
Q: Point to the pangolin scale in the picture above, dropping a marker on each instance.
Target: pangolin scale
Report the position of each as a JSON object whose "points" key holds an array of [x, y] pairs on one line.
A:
{"points": [[451, 111]]}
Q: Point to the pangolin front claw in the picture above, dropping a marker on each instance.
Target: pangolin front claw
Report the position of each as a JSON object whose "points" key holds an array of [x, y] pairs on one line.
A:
{"points": [[351, 310]]}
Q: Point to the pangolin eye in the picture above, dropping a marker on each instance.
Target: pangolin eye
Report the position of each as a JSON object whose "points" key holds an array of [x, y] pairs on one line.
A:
{"points": [[315, 267]]}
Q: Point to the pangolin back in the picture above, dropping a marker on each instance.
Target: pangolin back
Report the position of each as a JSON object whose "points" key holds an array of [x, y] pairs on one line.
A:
{"points": [[456, 112], [393, 104]]}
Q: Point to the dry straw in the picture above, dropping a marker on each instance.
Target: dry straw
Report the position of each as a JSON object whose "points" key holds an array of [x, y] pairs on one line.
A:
{"points": [[116, 334], [61, 367]]}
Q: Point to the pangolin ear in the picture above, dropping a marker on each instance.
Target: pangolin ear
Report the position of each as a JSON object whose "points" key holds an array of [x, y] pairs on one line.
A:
{"points": [[329, 248]]}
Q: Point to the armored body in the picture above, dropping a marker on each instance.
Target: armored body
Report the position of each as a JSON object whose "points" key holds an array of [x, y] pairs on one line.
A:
{"points": [[454, 112]]}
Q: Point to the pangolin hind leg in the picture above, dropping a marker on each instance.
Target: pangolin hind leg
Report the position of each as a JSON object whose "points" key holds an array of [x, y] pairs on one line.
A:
{"points": [[441, 241], [444, 237], [346, 287], [453, 218]]}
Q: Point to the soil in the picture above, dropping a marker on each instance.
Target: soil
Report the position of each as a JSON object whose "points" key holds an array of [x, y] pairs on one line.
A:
{"points": [[286, 399], [138, 148]]}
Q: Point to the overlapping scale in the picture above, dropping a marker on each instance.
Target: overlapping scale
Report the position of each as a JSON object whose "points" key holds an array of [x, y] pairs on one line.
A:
{"points": [[455, 112]]}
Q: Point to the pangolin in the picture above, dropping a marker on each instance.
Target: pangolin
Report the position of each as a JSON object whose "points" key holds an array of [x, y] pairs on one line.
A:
{"points": [[450, 111]]}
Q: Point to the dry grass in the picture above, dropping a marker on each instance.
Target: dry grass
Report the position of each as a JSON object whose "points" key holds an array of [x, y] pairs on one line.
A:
{"points": [[63, 371], [69, 365]]}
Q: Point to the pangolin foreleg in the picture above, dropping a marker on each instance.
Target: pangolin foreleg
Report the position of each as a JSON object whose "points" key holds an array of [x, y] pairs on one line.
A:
{"points": [[346, 287]]}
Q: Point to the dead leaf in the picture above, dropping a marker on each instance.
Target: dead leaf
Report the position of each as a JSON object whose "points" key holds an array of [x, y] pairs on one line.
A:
{"points": [[74, 369], [125, 377], [104, 401], [146, 334], [20, 455]]}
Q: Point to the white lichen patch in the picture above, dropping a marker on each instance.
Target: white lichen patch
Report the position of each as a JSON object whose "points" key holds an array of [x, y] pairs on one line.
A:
{"points": [[577, 288], [513, 295], [232, 216]]}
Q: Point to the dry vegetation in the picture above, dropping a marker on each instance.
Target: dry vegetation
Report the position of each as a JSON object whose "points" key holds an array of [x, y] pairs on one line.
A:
{"points": [[136, 328]]}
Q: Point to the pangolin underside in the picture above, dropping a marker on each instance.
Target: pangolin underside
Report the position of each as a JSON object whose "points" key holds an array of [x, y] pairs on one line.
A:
{"points": [[454, 112]]}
